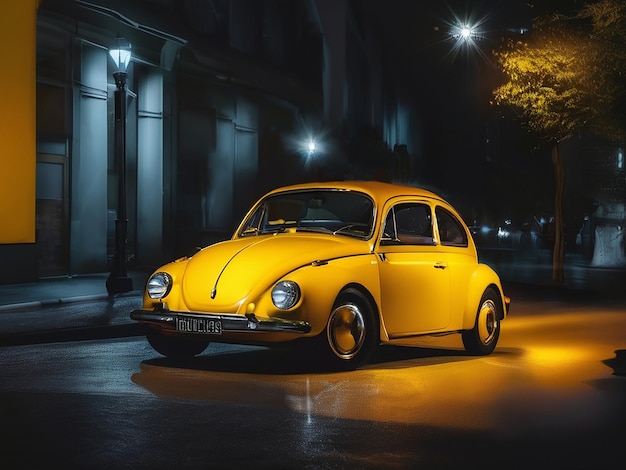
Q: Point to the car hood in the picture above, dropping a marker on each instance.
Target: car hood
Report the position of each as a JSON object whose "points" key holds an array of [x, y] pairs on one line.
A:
{"points": [[222, 276]]}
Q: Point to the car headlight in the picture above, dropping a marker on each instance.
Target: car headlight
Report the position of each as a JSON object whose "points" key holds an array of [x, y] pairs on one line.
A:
{"points": [[285, 294], [159, 285]]}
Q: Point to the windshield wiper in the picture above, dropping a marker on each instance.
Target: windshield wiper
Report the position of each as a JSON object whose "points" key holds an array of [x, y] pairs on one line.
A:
{"points": [[353, 230], [274, 229], [313, 229]]}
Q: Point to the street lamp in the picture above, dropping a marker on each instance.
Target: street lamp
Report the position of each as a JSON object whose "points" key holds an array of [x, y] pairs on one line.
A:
{"points": [[118, 281]]}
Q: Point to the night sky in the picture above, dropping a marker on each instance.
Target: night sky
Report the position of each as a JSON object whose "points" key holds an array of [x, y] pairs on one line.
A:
{"points": [[418, 34], [471, 152]]}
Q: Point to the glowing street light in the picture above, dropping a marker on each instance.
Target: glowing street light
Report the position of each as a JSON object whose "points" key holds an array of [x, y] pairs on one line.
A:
{"points": [[466, 32], [120, 52]]}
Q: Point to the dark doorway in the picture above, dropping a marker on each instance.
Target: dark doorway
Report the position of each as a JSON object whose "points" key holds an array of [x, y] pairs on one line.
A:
{"points": [[52, 215]]}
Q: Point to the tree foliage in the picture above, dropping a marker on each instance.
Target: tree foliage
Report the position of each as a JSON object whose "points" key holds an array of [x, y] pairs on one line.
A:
{"points": [[554, 82]]}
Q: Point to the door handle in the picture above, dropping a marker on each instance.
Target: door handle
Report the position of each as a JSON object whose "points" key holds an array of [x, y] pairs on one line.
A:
{"points": [[441, 265]]}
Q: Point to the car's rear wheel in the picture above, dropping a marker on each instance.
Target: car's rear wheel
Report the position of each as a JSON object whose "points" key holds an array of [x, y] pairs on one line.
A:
{"points": [[173, 347], [352, 331], [482, 339]]}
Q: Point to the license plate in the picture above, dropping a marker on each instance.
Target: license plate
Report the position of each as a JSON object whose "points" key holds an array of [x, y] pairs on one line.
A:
{"points": [[203, 326]]}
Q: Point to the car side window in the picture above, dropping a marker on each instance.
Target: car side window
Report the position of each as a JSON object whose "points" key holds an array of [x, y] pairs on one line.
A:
{"points": [[451, 232], [408, 224]]}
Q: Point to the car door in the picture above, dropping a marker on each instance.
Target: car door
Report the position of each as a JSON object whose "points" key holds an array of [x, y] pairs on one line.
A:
{"points": [[454, 247], [414, 276]]}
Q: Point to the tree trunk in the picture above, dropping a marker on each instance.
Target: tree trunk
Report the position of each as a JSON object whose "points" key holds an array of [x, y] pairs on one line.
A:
{"points": [[558, 256]]}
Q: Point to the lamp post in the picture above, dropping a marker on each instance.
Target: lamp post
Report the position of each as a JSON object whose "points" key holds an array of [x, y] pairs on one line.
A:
{"points": [[118, 281]]}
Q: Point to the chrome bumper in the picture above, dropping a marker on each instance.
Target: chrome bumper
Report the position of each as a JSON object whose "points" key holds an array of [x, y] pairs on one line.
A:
{"points": [[229, 323]]}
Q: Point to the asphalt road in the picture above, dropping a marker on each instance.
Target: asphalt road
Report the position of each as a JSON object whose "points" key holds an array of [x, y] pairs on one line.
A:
{"points": [[553, 395]]}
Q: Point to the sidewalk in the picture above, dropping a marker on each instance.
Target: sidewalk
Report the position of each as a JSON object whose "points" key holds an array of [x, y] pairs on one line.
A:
{"points": [[55, 290], [531, 275], [25, 318]]}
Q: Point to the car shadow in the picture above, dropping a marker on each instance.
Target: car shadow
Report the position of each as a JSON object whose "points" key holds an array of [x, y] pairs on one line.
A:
{"points": [[397, 356], [294, 361]]}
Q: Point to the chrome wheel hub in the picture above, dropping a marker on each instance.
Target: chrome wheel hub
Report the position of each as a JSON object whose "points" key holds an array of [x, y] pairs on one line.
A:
{"points": [[346, 331]]}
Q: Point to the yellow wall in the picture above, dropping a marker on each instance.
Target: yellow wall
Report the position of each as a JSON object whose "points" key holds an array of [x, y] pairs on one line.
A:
{"points": [[18, 24]]}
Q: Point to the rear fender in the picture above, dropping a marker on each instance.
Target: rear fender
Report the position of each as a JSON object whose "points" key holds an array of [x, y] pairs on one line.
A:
{"points": [[482, 278]]}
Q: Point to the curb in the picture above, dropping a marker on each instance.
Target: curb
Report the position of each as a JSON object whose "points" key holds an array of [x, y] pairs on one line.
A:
{"points": [[62, 300], [63, 335]]}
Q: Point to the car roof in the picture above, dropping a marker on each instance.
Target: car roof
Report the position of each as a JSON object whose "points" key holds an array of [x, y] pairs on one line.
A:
{"points": [[379, 191]]}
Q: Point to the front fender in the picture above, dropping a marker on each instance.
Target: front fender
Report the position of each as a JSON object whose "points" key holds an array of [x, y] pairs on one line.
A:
{"points": [[176, 269], [320, 285]]}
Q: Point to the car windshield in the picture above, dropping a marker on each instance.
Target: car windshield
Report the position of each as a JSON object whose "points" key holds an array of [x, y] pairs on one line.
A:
{"points": [[337, 212]]}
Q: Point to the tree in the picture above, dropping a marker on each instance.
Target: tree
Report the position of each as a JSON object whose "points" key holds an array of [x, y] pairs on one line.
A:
{"points": [[557, 86]]}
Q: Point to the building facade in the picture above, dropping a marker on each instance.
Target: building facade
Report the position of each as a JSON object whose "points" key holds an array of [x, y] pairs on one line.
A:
{"points": [[221, 98]]}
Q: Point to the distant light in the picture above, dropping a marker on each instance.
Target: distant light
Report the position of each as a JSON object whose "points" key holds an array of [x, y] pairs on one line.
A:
{"points": [[465, 35], [520, 30], [620, 158], [466, 32], [309, 143]]}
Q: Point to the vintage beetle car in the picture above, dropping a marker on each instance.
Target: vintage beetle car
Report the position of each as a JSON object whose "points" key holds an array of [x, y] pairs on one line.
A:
{"points": [[350, 265]]}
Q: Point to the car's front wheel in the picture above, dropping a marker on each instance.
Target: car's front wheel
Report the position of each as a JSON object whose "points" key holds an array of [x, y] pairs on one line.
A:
{"points": [[352, 331], [173, 347], [482, 339]]}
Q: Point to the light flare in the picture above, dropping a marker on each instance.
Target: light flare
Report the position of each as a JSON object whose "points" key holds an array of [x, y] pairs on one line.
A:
{"points": [[466, 34]]}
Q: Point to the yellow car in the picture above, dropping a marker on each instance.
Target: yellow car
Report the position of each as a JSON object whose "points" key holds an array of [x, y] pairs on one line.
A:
{"points": [[350, 265]]}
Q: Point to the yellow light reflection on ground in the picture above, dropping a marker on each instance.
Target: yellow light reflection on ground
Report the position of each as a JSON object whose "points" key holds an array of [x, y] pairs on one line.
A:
{"points": [[556, 356], [447, 394], [543, 371]]}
